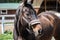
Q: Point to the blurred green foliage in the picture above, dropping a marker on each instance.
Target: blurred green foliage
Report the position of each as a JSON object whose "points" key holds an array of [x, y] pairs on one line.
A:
{"points": [[8, 35], [10, 1]]}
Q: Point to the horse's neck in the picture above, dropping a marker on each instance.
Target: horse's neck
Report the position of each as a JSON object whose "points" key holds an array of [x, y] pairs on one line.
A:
{"points": [[57, 14]]}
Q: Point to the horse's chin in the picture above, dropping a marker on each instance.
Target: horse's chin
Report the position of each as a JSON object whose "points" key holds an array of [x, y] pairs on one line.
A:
{"points": [[38, 36]]}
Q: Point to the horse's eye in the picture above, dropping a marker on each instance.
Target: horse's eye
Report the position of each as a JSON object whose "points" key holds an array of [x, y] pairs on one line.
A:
{"points": [[26, 10], [27, 14]]}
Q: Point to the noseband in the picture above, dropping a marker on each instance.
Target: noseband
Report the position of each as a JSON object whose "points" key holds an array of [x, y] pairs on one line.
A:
{"points": [[33, 22]]}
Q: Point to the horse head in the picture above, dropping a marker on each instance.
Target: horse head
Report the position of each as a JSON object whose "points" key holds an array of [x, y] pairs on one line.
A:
{"points": [[28, 20]]}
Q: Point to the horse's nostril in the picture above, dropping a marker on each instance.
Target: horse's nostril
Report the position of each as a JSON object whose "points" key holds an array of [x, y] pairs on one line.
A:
{"points": [[39, 31]]}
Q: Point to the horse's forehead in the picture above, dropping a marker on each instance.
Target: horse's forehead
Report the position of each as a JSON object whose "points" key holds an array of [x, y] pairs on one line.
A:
{"points": [[26, 9]]}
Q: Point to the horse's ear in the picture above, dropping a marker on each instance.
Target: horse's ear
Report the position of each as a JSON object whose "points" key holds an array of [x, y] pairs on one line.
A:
{"points": [[28, 1], [32, 1], [24, 1]]}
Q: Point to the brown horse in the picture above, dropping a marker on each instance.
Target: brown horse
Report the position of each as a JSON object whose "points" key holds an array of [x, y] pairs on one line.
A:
{"points": [[25, 22], [53, 18], [29, 26]]}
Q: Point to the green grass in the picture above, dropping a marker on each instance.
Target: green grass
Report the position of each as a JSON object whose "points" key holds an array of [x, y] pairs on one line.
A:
{"points": [[6, 36]]}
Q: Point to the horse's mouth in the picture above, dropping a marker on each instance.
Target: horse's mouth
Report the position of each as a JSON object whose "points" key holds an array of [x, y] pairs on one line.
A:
{"points": [[39, 36]]}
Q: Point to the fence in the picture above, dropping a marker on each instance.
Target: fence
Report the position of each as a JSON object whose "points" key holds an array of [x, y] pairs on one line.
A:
{"points": [[3, 20]]}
